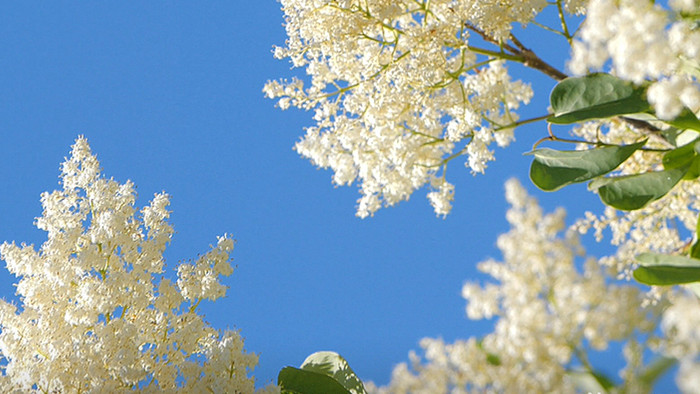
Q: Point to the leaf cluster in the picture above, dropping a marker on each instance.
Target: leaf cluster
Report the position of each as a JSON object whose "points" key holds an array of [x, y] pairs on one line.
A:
{"points": [[604, 96]]}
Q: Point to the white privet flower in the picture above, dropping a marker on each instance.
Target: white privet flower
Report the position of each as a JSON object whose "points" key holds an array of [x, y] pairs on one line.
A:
{"points": [[644, 41], [548, 311], [397, 92], [96, 314]]}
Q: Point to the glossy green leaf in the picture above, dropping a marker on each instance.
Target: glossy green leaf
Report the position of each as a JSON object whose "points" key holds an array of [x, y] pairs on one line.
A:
{"points": [[679, 157], [298, 381], [662, 270], [693, 169], [595, 96], [334, 365], [552, 169], [635, 191]]}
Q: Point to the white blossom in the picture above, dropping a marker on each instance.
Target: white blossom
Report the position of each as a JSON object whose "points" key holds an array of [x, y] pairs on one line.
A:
{"points": [[397, 91], [96, 314], [645, 42], [548, 311]]}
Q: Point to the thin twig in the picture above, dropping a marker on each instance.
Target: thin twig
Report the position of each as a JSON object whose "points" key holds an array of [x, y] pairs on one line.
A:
{"points": [[527, 56], [534, 61]]}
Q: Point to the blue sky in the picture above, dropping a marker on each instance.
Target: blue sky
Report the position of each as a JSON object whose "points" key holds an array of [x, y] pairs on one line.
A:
{"points": [[169, 95]]}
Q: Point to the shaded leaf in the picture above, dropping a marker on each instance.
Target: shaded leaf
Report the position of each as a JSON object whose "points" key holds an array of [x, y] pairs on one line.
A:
{"points": [[661, 269], [679, 157], [552, 169], [334, 365], [695, 249], [299, 381], [693, 169], [670, 134], [595, 96], [635, 191], [656, 369]]}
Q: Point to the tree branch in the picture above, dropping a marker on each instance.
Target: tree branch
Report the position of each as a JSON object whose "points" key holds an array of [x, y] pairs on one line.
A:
{"points": [[527, 56], [530, 59]]}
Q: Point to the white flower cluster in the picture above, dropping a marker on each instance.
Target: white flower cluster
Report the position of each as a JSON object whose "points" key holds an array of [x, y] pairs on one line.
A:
{"points": [[645, 41], [398, 91], [548, 313], [681, 327], [94, 315]]}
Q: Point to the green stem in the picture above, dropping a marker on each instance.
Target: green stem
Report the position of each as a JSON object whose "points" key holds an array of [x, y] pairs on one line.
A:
{"points": [[549, 29], [522, 122], [562, 18], [496, 54], [194, 306]]}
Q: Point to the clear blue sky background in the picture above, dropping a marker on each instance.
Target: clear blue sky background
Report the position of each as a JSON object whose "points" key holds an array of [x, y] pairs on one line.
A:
{"points": [[169, 96]]}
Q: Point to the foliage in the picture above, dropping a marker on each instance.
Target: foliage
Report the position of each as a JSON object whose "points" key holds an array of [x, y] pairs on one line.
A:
{"points": [[321, 372]]}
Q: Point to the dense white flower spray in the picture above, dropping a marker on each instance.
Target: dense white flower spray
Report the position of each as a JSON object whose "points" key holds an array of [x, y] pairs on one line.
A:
{"points": [[399, 91], [645, 42], [96, 314], [549, 314]]}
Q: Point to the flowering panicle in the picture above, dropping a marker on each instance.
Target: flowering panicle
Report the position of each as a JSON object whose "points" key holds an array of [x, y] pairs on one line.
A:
{"points": [[548, 312], [398, 91], [94, 317]]}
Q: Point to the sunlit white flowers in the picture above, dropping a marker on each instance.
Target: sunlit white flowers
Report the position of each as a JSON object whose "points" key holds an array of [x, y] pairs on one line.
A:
{"points": [[399, 92], [96, 313], [645, 42], [551, 308]]}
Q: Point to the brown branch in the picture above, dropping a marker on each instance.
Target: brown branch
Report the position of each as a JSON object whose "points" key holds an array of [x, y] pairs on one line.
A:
{"points": [[529, 58], [534, 61]]}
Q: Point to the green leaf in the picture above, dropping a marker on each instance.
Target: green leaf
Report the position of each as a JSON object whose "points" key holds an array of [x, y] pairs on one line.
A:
{"points": [[695, 249], [334, 365], [656, 369], [590, 382], [679, 157], [595, 96], [552, 169], [693, 169], [661, 269], [686, 120], [670, 134], [632, 192], [298, 381], [493, 359]]}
